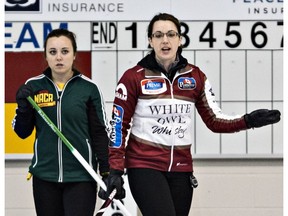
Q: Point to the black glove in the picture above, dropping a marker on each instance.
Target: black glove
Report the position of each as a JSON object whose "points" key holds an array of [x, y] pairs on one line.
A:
{"points": [[113, 180], [262, 117], [21, 98]]}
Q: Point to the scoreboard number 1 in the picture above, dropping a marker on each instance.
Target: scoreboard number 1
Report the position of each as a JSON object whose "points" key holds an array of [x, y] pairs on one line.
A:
{"points": [[133, 29]]}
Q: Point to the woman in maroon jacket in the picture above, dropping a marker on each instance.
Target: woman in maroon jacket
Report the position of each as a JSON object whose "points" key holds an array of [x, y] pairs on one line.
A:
{"points": [[157, 98]]}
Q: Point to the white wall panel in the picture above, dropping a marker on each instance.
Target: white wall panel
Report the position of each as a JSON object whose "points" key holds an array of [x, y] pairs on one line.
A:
{"points": [[104, 71], [259, 75], [233, 77]]}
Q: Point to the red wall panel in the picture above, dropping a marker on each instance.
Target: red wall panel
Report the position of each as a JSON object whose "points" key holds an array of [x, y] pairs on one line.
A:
{"points": [[20, 66]]}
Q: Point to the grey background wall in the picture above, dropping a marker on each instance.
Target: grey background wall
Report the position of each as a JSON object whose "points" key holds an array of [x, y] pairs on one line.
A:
{"points": [[226, 188]]}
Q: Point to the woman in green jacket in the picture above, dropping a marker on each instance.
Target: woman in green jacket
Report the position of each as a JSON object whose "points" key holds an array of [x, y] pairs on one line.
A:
{"points": [[61, 185]]}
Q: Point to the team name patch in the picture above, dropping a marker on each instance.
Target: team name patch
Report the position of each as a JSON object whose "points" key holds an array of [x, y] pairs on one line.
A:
{"points": [[153, 86], [186, 83], [44, 99]]}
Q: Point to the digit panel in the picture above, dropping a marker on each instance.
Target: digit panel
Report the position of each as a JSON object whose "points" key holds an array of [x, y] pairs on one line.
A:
{"points": [[206, 142], [189, 55], [104, 66], [234, 143], [259, 75], [132, 36], [233, 76], [277, 132], [277, 75], [209, 63], [104, 36], [126, 60]]}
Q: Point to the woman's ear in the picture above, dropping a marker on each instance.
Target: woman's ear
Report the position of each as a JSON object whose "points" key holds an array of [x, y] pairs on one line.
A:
{"points": [[150, 42], [180, 41]]}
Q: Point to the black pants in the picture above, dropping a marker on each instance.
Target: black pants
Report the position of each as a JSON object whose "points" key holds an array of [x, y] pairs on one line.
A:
{"points": [[64, 199], [161, 193]]}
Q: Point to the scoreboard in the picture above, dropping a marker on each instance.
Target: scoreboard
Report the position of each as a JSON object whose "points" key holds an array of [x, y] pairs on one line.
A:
{"points": [[238, 44]]}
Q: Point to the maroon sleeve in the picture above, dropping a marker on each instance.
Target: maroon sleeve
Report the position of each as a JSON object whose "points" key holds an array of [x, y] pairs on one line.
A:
{"points": [[126, 96], [211, 113]]}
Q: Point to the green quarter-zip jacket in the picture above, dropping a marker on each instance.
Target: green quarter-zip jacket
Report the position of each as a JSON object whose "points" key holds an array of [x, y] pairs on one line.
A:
{"points": [[79, 113]]}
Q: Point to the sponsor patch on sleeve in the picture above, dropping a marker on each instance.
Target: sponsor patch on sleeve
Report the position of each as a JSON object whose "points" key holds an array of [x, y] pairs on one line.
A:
{"points": [[116, 123], [121, 92]]}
